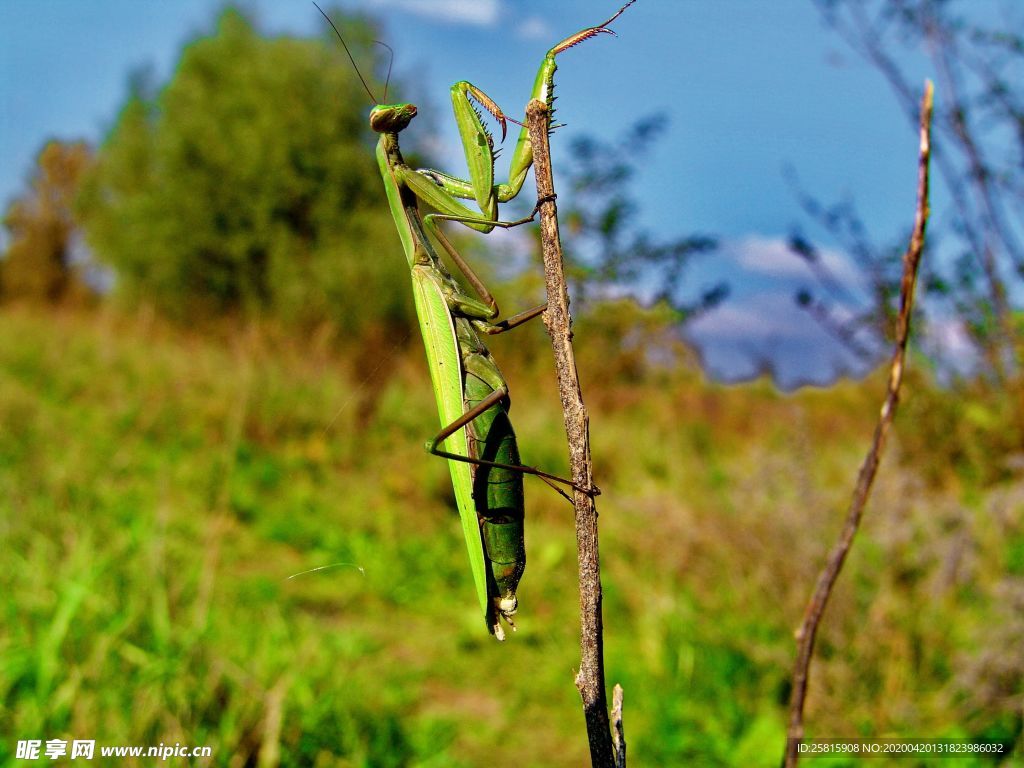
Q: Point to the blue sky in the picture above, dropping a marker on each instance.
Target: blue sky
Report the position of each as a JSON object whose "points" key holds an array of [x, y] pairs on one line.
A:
{"points": [[751, 87]]}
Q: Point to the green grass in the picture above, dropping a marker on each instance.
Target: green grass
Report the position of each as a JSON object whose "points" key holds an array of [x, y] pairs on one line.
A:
{"points": [[159, 487]]}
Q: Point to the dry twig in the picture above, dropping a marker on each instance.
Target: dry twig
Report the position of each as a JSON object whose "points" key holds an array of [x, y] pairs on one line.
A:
{"points": [[807, 632], [590, 679]]}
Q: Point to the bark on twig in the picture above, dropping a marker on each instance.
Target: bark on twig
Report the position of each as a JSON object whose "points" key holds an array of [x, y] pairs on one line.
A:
{"points": [[807, 632], [590, 678]]}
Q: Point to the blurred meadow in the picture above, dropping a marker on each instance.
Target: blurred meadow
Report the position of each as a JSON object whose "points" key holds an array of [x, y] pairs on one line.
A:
{"points": [[212, 383]]}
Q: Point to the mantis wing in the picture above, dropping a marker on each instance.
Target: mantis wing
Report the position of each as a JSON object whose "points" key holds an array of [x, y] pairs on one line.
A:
{"points": [[445, 365]]}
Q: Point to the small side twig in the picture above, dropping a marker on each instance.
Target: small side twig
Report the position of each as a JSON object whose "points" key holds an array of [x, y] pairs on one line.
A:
{"points": [[590, 680], [807, 632], [618, 736]]}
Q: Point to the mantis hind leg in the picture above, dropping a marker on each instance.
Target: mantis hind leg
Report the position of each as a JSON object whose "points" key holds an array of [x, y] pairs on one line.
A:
{"points": [[496, 397]]}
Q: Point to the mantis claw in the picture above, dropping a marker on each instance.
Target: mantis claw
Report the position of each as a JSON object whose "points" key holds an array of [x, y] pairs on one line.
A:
{"points": [[545, 199], [586, 34], [490, 105]]}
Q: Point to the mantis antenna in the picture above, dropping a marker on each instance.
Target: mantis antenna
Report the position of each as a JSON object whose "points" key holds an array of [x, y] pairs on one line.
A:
{"points": [[355, 66], [391, 61]]}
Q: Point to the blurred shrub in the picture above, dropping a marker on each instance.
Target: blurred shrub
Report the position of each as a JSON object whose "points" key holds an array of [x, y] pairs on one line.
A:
{"points": [[40, 265], [248, 185], [968, 433]]}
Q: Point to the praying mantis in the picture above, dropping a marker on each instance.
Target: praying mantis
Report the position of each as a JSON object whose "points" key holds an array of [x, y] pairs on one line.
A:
{"points": [[472, 396]]}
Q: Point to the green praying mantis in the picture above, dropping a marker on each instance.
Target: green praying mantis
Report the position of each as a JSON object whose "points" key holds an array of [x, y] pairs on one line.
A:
{"points": [[472, 396]]}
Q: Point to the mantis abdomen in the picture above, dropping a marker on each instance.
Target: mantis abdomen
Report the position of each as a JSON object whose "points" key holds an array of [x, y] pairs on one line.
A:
{"points": [[497, 491]]}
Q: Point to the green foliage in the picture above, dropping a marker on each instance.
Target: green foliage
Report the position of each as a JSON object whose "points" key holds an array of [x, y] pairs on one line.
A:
{"points": [[159, 487], [970, 434], [38, 264], [248, 184]]}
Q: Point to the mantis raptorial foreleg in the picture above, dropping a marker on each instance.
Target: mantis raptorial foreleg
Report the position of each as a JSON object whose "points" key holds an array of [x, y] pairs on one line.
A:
{"points": [[478, 144]]}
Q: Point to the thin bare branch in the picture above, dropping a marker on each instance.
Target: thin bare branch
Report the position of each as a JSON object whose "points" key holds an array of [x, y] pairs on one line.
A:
{"points": [[807, 632], [590, 679]]}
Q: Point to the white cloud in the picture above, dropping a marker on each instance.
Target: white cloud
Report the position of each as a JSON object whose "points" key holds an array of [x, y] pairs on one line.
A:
{"points": [[950, 334], [761, 316], [534, 28], [947, 340], [772, 256], [736, 339], [482, 13]]}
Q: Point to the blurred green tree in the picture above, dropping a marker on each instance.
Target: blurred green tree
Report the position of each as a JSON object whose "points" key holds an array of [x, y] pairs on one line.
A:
{"points": [[247, 185], [38, 264]]}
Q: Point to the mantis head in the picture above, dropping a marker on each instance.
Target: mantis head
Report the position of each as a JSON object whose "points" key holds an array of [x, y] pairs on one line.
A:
{"points": [[391, 118]]}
